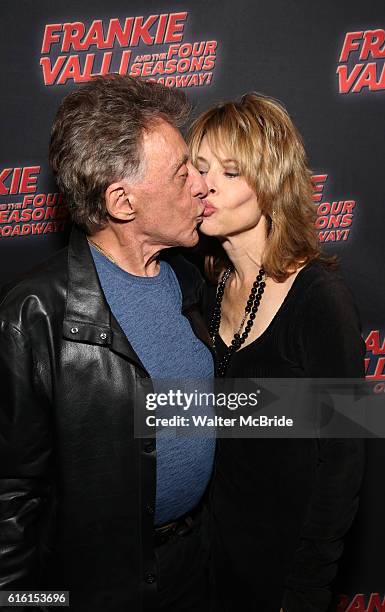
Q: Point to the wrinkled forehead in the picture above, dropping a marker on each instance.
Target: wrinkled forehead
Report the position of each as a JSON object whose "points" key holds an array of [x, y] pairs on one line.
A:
{"points": [[164, 133], [163, 144]]}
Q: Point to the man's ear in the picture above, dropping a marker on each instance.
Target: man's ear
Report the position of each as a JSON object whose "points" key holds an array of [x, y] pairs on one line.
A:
{"points": [[119, 203]]}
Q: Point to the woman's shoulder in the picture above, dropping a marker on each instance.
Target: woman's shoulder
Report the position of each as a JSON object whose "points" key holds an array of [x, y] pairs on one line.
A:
{"points": [[321, 291], [326, 324], [318, 279]]}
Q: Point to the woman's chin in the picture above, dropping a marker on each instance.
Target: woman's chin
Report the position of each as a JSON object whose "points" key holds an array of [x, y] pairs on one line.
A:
{"points": [[208, 228]]}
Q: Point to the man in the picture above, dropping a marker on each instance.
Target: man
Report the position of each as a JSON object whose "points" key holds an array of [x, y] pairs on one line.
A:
{"points": [[85, 505]]}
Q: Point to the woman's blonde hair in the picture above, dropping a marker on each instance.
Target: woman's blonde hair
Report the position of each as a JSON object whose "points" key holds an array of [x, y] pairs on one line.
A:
{"points": [[258, 134]]}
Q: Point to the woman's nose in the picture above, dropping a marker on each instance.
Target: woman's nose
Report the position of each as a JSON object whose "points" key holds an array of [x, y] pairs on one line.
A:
{"points": [[210, 183]]}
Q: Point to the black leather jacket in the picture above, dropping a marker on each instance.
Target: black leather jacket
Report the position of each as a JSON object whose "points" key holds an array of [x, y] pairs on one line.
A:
{"points": [[77, 489]]}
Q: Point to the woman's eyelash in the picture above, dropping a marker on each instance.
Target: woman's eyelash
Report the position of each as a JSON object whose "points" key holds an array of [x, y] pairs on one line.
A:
{"points": [[229, 174]]}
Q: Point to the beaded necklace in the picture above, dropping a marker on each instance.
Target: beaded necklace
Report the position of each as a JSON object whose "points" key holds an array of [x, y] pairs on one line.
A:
{"points": [[251, 309]]}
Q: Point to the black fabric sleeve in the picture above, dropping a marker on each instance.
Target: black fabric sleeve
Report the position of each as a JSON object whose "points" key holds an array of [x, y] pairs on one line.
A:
{"points": [[329, 339], [330, 346], [25, 451]]}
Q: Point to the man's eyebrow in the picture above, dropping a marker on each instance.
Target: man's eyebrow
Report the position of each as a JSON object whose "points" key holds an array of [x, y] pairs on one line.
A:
{"points": [[180, 163]]}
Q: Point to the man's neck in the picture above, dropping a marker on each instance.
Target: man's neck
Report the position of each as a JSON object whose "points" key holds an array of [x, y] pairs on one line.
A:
{"points": [[131, 253]]}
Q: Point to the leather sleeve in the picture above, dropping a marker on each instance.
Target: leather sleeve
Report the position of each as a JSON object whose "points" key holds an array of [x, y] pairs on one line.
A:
{"points": [[331, 346], [25, 451]]}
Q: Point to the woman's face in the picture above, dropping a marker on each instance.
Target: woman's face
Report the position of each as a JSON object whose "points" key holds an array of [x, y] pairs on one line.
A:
{"points": [[231, 206]]}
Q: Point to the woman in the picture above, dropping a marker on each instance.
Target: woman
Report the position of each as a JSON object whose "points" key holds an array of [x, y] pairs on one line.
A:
{"points": [[279, 310]]}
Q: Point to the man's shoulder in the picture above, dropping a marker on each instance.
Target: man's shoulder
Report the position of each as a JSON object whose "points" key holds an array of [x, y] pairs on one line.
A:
{"points": [[40, 290]]}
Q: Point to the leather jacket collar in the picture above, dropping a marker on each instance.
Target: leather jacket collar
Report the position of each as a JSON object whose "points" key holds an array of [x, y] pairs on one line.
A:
{"points": [[88, 317]]}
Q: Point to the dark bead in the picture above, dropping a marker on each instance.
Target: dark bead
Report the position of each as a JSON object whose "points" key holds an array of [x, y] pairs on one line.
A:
{"points": [[150, 578], [256, 283], [234, 342], [250, 302], [259, 277], [236, 336], [247, 309], [253, 290], [263, 284], [242, 340], [260, 290], [252, 316]]}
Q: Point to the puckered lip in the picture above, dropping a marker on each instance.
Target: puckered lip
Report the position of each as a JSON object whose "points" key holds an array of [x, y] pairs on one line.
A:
{"points": [[209, 208]]}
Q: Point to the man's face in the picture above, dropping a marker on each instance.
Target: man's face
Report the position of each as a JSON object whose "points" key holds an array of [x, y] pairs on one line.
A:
{"points": [[168, 197]]}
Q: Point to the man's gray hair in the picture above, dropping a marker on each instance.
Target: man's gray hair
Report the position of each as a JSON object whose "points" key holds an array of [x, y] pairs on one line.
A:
{"points": [[96, 139]]}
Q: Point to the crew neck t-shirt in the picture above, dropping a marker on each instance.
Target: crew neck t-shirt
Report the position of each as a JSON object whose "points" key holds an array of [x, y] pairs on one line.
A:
{"points": [[148, 309]]}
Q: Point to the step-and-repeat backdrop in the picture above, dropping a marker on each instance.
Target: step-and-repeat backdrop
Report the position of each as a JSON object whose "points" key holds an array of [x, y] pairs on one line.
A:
{"points": [[324, 60]]}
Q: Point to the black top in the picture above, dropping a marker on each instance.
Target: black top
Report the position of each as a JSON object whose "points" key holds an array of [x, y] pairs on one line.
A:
{"points": [[282, 506]]}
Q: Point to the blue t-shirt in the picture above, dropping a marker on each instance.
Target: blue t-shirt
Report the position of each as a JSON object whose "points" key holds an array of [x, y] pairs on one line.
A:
{"points": [[148, 310]]}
